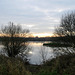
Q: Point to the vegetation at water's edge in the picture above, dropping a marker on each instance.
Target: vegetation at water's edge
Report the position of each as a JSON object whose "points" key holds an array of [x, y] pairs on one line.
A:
{"points": [[63, 65], [12, 66], [57, 44]]}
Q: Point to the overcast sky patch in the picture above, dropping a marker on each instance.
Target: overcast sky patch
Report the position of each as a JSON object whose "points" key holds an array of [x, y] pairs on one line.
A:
{"points": [[39, 16]]}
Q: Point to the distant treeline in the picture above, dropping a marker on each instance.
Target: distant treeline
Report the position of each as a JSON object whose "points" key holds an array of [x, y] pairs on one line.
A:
{"points": [[65, 39]]}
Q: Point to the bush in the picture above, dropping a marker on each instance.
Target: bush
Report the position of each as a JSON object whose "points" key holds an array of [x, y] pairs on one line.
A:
{"points": [[12, 66]]}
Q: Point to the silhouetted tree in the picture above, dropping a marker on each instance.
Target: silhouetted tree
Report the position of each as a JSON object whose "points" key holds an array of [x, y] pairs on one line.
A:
{"points": [[67, 30], [13, 42]]}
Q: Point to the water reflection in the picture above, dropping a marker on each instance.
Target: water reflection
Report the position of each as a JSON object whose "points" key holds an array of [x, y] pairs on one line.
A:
{"points": [[39, 53]]}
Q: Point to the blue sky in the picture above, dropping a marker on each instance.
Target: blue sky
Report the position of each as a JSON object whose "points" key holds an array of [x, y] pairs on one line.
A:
{"points": [[39, 16]]}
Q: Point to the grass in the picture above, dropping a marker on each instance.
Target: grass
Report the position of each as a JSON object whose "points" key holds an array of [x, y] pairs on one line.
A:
{"points": [[62, 65], [12, 66]]}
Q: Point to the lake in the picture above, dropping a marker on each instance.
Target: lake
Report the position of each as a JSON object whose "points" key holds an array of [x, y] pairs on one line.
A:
{"points": [[39, 52]]}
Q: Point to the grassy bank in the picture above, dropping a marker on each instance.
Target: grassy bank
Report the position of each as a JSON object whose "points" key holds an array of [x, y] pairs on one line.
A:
{"points": [[12, 66], [57, 44], [63, 65]]}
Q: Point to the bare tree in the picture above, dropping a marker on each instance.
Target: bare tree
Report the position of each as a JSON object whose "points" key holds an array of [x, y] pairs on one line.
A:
{"points": [[13, 42], [66, 31]]}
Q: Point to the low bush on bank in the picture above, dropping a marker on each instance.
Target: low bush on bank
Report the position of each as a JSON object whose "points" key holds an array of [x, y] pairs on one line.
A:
{"points": [[12, 66], [64, 64]]}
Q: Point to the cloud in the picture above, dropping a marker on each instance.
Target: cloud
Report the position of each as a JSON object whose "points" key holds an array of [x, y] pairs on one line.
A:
{"points": [[37, 15], [51, 28], [27, 25]]}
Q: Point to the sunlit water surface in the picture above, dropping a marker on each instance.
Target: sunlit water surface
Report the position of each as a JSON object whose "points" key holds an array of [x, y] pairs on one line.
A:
{"points": [[38, 51]]}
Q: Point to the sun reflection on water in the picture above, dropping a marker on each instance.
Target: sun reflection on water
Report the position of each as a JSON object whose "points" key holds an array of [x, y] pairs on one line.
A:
{"points": [[30, 52]]}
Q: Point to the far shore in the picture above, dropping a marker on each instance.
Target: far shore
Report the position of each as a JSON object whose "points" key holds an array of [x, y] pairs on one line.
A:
{"points": [[52, 44]]}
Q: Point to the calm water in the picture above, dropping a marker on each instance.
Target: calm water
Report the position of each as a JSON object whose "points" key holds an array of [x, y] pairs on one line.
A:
{"points": [[39, 52]]}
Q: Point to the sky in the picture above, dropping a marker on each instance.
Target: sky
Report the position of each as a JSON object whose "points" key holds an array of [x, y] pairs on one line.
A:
{"points": [[41, 17]]}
